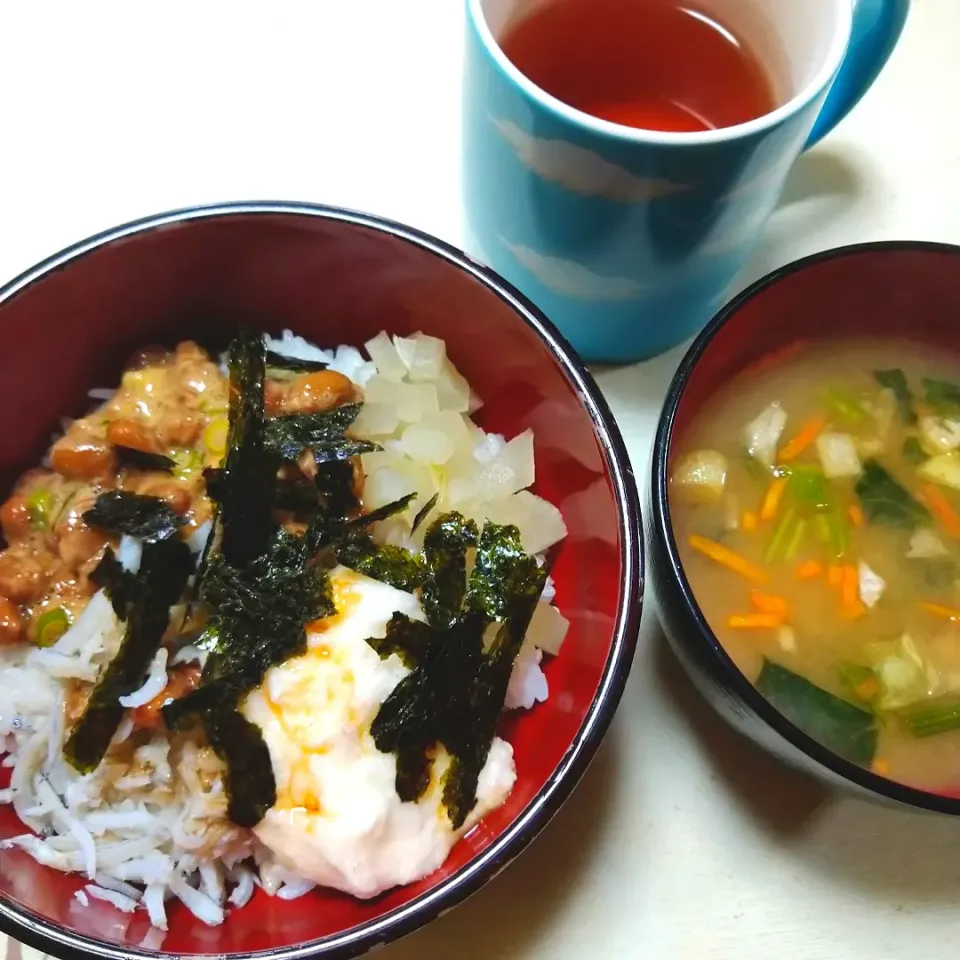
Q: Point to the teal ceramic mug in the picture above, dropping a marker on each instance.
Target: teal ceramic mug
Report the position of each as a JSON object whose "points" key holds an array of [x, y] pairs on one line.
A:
{"points": [[630, 239]]}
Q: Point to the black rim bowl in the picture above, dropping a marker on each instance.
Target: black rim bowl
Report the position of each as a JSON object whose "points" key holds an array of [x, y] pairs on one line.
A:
{"points": [[694, 642], [46, 936]]}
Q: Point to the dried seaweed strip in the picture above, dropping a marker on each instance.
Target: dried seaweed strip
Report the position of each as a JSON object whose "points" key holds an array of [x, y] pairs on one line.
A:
{"points": [[164, 570], [120, 513]]}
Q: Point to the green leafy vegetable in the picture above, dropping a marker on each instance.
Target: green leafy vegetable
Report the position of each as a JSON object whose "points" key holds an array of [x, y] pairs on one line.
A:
{"points": [[896, 381], [164, 569], [141, 460], [838, 725], [929, 718], [942, 395], [423, 710], [912, 451], [147, 518], [884, 500]]}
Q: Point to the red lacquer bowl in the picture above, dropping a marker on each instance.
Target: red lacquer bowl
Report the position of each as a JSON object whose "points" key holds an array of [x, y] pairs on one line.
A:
{"points": [[336, 277], [895, 290]]}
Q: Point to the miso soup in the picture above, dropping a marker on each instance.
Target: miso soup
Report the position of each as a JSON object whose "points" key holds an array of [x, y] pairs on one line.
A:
{"points": [[816, 507]]}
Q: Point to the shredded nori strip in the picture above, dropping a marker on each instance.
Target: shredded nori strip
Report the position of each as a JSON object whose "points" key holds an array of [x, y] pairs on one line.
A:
{"points": [[122, 587], [147, 518], [259, 612], [455, 693], [279, 361], [298, 496], [334, 482], [323, 433], [129, 457], [424, 512], [408, 639], [445, 551], [390, 564], [244, 490], [164, 570]]}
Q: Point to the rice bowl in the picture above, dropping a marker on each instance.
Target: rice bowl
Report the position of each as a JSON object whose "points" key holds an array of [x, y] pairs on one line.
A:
{"points": [[337, 277], [152, 820]]}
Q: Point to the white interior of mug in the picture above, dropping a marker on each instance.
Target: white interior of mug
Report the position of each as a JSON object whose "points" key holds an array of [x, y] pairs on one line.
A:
{"points": [[799, 42]]}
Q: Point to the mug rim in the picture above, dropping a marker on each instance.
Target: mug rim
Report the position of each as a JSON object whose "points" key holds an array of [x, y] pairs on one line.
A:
{"points": [[635, 135]]}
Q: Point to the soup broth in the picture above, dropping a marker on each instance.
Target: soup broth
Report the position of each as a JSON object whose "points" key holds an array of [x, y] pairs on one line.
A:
{"points": [[816, 508]]}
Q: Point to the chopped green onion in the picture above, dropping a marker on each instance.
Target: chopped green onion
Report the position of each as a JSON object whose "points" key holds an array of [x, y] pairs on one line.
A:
{"points": [[932, 717], [796, 539], [52, 626], [844, 406], [187, 462], [40, 506], [808, 486], [831, 529], [783, 536]]}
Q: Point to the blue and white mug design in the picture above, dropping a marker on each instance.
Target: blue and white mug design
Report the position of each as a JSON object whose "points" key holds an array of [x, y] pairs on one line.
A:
{"points": [[629, 239]]}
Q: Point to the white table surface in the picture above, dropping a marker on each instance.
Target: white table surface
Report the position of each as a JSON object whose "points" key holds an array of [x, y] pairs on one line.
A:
{"points": [[683, 841]]}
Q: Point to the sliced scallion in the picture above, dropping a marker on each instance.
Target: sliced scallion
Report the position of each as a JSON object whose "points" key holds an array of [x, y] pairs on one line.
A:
{"points": [[40, 508], [51, 626], [930, 718]]}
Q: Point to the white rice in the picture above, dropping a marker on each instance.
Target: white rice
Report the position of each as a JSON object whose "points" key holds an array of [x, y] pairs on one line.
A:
{"points": [[150, 823]]}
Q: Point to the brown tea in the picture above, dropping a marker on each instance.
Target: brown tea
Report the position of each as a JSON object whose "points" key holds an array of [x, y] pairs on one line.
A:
{"points": [[651, 64]]}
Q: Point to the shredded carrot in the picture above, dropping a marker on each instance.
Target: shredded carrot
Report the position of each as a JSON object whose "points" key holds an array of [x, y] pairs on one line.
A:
{"points": [[834, 575], [867, 690], [733, 561], [748, 521], [850, 602], [938, 610], [854, 610], [880, 767], [936, 500], [850, 587], [769, 603], [807, 434], [755, 621], [774, 494], [855, 514], [809, 570]]}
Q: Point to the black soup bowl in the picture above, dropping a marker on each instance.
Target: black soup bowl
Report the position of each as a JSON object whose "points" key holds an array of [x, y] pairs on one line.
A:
{"points": [[893, 290]]}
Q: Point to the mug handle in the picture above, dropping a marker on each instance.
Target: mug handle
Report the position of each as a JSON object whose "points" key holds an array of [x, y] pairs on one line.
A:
{"points": [[877, 25]]}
